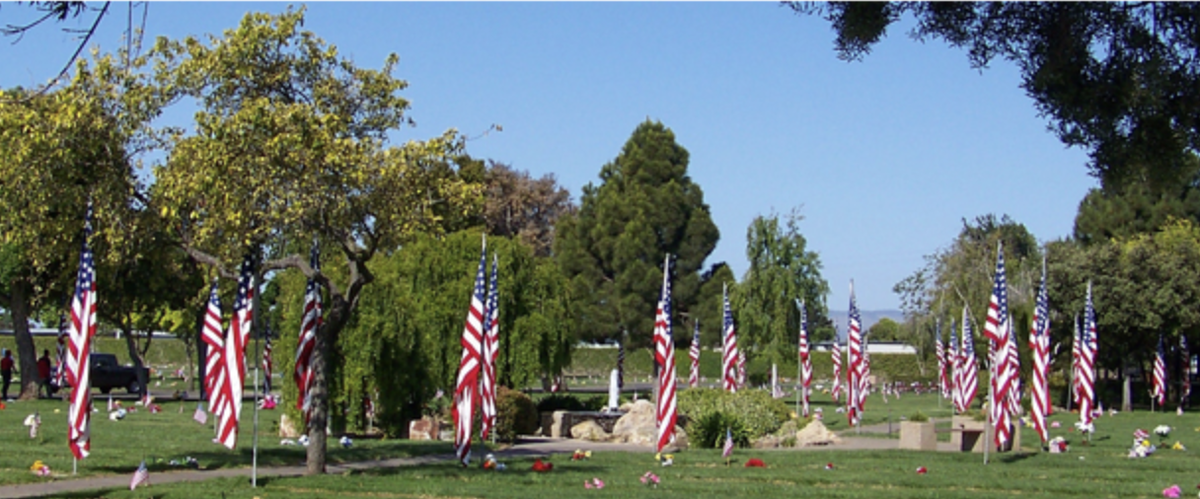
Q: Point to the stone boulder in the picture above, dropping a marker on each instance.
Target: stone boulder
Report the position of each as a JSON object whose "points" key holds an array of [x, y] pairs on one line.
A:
{"points": [[816, 434], [637, 427], [589, 430], [423, 429]]}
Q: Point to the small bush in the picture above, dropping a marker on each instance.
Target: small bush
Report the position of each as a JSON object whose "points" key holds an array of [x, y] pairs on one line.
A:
{"points": [[918, 417], [754, 410], [515, 414], [560, 402], [708, 431]]}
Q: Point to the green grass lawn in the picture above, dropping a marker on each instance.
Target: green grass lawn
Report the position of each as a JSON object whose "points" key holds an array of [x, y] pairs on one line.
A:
{"points": [[118, 446], [1097, 470]]}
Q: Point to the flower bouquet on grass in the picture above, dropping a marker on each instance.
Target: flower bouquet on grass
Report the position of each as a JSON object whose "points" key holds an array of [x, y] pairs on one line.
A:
{"points": [[650, 479], [1163, 431]]}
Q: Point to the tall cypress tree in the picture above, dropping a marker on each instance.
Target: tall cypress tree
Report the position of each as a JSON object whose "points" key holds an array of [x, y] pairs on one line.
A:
{"points": [[612, 250]]}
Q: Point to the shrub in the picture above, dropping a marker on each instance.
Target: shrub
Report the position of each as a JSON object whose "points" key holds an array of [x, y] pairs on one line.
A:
{"points": [[918, 417], [560, 402], [753, 410], [515, 414], [708, 431]]}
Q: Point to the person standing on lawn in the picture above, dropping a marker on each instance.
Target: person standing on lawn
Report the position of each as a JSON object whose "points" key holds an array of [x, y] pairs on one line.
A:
{"points": [[43, 365], [6, 371]]}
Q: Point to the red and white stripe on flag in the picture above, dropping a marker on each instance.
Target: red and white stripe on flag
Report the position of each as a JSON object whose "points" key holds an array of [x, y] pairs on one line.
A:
{"points": [[805, 359], [855, 382], [694, 356], [664, 356], [1087, 365], [997, 330], [1159, 390], [466, 391], [81, 331], [1039, 343], [310, 323], [729, 349], [235, 356], [214, 338], [836, 351], [491, 344]]}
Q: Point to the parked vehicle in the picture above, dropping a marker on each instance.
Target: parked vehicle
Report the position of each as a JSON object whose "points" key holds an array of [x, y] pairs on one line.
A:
{"points": [[107, 373]]}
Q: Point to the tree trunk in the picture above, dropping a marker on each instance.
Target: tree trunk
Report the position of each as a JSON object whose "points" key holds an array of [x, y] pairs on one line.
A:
{"points": [[26, 351], [320, 413], [136, 357]]}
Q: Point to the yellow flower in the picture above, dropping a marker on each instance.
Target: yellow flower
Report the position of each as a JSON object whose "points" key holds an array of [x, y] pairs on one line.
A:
{"points": [[37, 465]]}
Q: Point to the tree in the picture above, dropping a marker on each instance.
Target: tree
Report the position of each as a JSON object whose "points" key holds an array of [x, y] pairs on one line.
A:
{"points": [[782, 271], [885, 330], [291, 143], [645, 207], [964, 273], [62, 149], [1105, 215], [1117, 79], [1142, 286], [516, 205]]}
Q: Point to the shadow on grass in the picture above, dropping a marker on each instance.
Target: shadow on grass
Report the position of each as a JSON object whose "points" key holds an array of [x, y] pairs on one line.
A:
{"points": [[1015, 457]]}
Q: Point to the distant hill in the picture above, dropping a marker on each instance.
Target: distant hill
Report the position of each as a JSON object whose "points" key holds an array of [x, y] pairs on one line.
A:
{"points": [[869, 317]]}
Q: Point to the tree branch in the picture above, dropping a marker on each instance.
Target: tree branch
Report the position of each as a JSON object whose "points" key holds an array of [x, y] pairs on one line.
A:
{"points": [[207, 259], [298, 262]]}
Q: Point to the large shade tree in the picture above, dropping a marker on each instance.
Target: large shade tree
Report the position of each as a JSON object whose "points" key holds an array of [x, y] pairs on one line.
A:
{"points": [[1118, 79], [291, 142], [645, 207], [782, 271]]}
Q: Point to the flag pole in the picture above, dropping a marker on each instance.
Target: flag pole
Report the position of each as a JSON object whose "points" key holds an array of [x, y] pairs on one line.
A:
{"points": [[987, 430], [254, 459]]}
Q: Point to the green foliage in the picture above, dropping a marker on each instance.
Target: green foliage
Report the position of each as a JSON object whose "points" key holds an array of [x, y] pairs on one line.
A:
{"points": [[413, 314], [515, 414], [612, 249], [782, 271], [568, 402], [918, 417], [885, 330], [1134, 209], [709, 430], [1117, 79], [754, 410]]}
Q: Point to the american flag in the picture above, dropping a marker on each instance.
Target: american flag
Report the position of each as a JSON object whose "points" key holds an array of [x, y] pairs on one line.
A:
{"points": [[310, 323], [694, 355], [214, 338], [729, 351], [200, 416], [940, 352], [805, 359], [140, 477], [727, 450], [664, 356], [82, 330], [741, 368], [1014, 374], [967, 364], [997, 330], [1187, 370], [1039, 343], [854, 341], [952, 365], [1159, 392], [1087, 365], [1076, 361], [466, 391], [268, 364], [235, 355], [491, 343], [864, 379], [836, 392], [621, 364]]}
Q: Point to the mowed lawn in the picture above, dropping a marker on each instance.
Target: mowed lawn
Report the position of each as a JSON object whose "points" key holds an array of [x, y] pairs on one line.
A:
{"points": [[1097, 470], [119, 446]]}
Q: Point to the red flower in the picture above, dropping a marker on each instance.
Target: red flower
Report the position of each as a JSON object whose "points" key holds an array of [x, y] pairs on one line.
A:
{"points": [[922, 470], [539, 466], [755, 463]]}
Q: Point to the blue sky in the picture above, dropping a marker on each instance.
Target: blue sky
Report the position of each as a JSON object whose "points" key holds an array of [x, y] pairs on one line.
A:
{"points": [[885, 156]]}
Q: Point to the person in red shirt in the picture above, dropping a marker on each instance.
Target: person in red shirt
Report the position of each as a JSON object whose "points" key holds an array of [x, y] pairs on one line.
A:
{"points": [[6, 372], [44, 371]]}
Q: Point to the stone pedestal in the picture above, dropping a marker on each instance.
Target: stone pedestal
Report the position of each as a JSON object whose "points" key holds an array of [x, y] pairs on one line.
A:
{"points": [[918, 435], [423, 429], [966, 434]]}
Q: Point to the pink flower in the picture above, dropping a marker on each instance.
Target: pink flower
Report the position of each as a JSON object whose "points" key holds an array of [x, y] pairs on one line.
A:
{"points": [[599, 483], [587, 484], [1172, 492]]}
